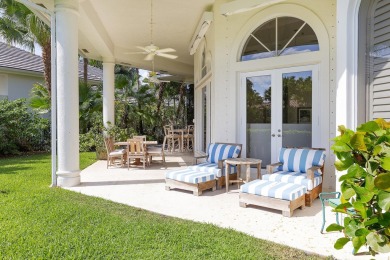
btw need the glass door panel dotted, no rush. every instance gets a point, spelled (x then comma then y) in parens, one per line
(258, 118)
(297, 109)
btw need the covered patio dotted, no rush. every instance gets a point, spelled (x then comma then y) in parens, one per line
(145, 189)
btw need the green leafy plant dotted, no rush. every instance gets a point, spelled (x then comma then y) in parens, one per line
(365, 187)
(22, 130)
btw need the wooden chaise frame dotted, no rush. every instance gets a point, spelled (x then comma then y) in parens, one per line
(287, 207)
(311, 195)
(197, 188)
(221, 181)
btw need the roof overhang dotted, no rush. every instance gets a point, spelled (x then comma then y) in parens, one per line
(110, 31)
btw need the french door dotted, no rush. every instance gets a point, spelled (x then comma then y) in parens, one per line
(278, 110)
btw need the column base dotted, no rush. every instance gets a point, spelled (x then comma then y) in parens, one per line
(68, 178)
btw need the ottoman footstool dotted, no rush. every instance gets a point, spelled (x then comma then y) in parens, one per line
(192, 180)
(276, 195)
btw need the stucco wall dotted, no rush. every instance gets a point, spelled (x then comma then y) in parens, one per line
(224, 41)
(19, 86)
(3, 85)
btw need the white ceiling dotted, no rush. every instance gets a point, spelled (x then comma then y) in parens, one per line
(109, 28)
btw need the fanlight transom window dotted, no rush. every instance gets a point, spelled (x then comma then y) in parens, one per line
(278, 37)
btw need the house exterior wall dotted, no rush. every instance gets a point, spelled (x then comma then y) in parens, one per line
(3, 86)
(225, 39)
(16, 86)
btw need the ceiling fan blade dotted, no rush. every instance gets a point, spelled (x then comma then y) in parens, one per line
(165, 55)
(143, 48)
(166, 50)
(150, 56)
(137, 52)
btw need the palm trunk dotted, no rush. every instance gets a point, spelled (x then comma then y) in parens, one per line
(85, 71)
(46, 58)
(160, 100)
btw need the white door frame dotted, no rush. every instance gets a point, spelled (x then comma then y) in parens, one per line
(276, 80)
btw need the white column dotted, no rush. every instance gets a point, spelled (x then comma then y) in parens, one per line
(108, 92)
(347, 40)
(347, 44)
(67, 93)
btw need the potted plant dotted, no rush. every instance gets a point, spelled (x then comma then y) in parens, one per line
(364, 156)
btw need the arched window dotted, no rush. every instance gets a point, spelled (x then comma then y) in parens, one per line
(278, 37)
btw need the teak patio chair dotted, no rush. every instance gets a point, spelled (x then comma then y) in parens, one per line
(188, 137)
(136, 150)
(113, 153)
(171, 139)
(156, 151)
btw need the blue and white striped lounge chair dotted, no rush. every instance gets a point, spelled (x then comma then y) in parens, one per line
(207, 175)
(188, 179)
(304, 166)
(271, 194)
(216, 154)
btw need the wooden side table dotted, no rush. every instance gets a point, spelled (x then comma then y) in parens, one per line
(238, 162)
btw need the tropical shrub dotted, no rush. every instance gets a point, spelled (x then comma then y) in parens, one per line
(22, 130)
(365, 187)
(93, 140)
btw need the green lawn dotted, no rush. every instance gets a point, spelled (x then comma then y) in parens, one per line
(38, 222)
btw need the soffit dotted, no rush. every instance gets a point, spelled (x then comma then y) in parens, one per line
(109, 29)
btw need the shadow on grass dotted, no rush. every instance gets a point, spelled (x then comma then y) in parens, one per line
(128, 182)
(13, 170)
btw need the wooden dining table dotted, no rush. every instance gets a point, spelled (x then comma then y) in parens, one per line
(125, 143)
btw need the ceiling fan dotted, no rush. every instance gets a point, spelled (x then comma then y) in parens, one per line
(152, 50)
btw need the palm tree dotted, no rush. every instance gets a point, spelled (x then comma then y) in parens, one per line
(90, 104)
(18, 25)
(40, 98)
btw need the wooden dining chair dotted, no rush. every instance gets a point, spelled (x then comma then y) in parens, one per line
(136, 151)
(188, 137)
(156, 151)
(113, 153)
(171, 139)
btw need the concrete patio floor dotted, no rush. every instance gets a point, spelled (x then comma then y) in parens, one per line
(146, 189)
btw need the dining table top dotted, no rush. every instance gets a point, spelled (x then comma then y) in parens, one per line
(126, 143)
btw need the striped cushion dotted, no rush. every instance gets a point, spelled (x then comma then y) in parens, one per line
(294, 177)
(190, 176)
(272, 189)
(218, 152)
(299, 160)
(213, 168)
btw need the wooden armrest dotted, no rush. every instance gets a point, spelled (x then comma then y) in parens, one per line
(310, 172)
(199, 155)
(270, 167)
(220, 163)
